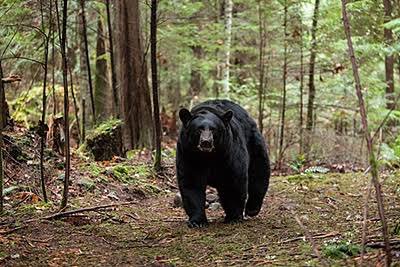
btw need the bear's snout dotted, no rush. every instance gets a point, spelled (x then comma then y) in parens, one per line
(206, 142)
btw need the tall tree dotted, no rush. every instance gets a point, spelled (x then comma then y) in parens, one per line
(67, 155)
(311, 73)
(389, 58)
(301, 88)
(87, 58)
(154, 79)
(112, 62)
(284, 79)
(132, 77)
(196, 81)
(1, 140)
(101, 79)
(227, 48)
(261, 62)
(364, 122)
(42, 122)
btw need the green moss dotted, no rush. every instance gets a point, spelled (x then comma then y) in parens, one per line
(304, 177)
(104, 128)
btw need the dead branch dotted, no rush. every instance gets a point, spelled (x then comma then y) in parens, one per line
(71, 212)
(381, 244)
(318, 236)
(11, 79)
(310, 239)
(368, 138)
(364, 225)
(11, 230)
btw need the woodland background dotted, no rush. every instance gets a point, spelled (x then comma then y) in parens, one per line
(120, 71)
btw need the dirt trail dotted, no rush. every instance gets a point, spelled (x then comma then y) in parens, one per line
(153, 233)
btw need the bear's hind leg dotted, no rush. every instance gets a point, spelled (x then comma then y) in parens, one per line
(259, 173)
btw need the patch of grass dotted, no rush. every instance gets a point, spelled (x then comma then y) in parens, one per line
(129, 173)
(169, 153)
(137, 175)
(95, 170)
(341, 249)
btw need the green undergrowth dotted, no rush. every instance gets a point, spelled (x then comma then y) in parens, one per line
(340, 249)
(104, 127)
(140, 175)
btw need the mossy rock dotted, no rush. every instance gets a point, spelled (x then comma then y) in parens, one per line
(105, 141)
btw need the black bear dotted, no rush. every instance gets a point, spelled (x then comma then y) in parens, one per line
(220, 145)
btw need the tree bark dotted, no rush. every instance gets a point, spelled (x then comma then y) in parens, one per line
(1, 140)
(311, 85)
(364, 121)
(389, 59)
(42, 123)
(196, 81)
(283, 110)
(87, 59)
(301, 89)
(261, 67)
(154, 79)
(64, 200)
(228, 40)
(112, 62)
(76, 109)
(132, 77)
(101, 95)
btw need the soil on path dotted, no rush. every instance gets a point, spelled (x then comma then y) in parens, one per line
(153, 232)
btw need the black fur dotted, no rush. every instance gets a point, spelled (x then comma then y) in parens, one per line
(238, 167)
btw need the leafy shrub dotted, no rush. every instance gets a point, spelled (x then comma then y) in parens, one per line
(341, 249)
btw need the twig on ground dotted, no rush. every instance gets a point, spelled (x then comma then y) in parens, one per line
(11, 230)
(67, 213)
(364, 225)
(318, 236)
(310, 239)
(381, 244)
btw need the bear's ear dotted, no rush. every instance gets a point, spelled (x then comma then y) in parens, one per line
(226, 118)
(185, 116)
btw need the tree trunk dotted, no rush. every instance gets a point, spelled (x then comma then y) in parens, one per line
(112, 62)
(154, 79)
(132, 77)
(261, 67)
(311, 85)
(364, 121)
(1, 141)
(53, 68)
(85, 53)
(196, 82)
(64, 200)
(389, 59)
(301, 88)
(42, 122)
(83, 79)
(283, 111)
(101, 93)
(228, 39)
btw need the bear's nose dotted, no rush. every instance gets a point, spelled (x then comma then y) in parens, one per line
(206, 144)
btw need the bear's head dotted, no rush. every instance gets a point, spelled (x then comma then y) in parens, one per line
(206, 130)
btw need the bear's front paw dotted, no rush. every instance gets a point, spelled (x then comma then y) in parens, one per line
(197, 224)
(236, 219)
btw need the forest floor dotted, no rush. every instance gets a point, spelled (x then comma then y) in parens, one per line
(150, 231)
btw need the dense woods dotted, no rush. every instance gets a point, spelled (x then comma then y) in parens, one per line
(90, 95)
